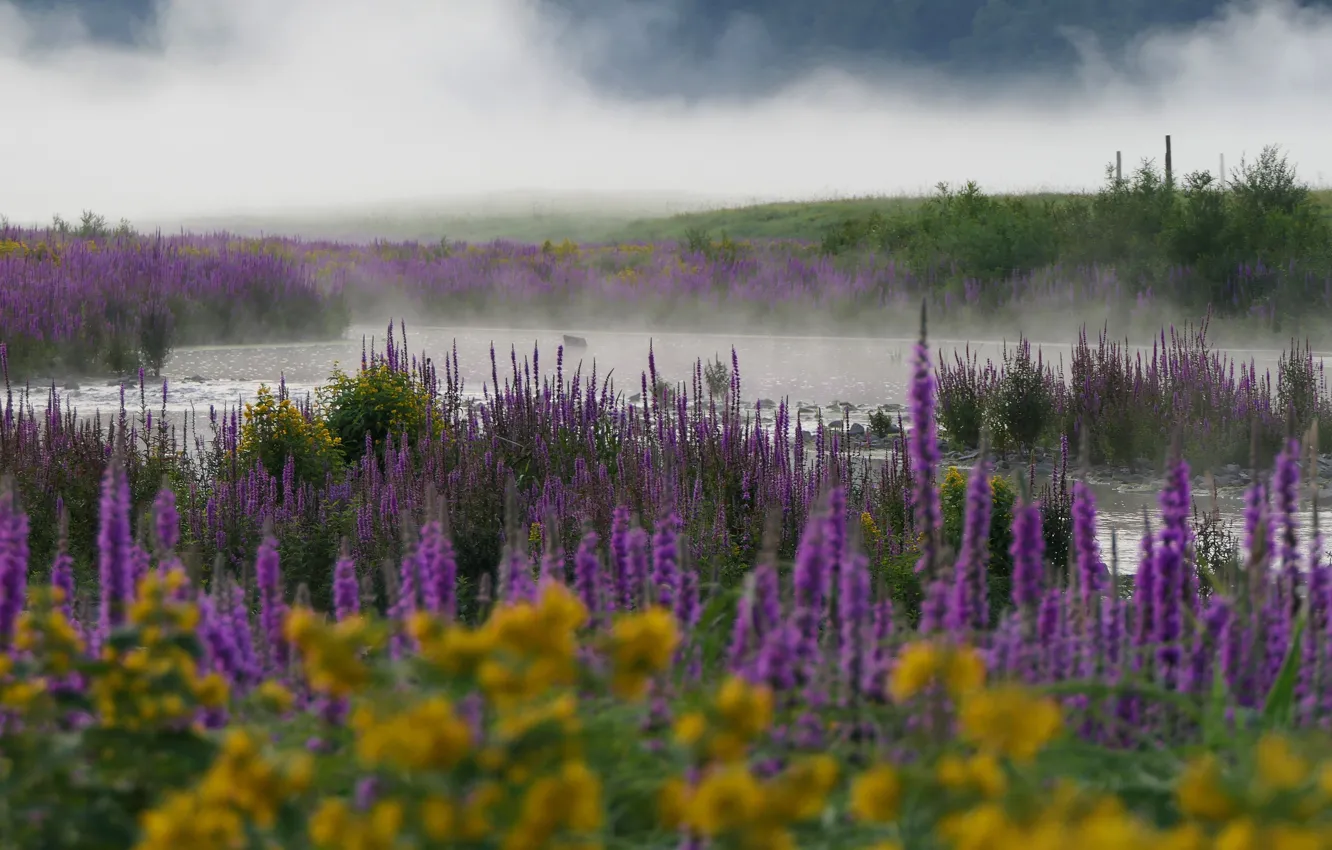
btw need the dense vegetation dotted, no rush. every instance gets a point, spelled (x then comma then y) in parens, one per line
(1256, 240)
(619, 687)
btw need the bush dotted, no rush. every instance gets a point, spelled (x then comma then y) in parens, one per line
(1022, 406)
(963, 391)
(275, 429)
(377, 401)
(157, 336)
(1235, 236)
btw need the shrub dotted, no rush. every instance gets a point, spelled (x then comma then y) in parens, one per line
(882, 424)
(963, 390)
(1023, 404)
(157, 333)
(376, 402)
(274, 429)
(717, 378)
(953, 498)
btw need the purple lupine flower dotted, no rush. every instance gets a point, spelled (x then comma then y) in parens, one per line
(272, 605)
(621, 572)
(587, 573)
(1091, 573)
(1286, 493)
(249, 672)
(1028, 550)
(853, 610)
(62, 578)
(923, 445)
(970, 609)
(13, 562)
(1170, 564)
(166, 520)
(742, 632)
(665, 560)
(428, 566)
(777, 660)
(811, 584)
(346, 587)
(874, 674)
(113, 546)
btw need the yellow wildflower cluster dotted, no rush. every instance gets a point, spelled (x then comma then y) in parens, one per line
(40, 252)
(155, 680)
(641, 646)
(274, 429)
(519, 653)
(241, 787)
(426, 736)
(732, 805)
(336, 825)
(333, 655)
(923, 664)
(44, 631)
(740, 713)
(869, 529)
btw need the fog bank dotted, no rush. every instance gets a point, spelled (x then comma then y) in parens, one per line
(301, 107)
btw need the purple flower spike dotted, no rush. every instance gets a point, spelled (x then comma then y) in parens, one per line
(1091, 573)
(346, 588)
(13, 562)
(923, 446)
(114, 545)
(587, 572)
(1028, 550)
(970, 608)
(166, 520)
(272, 606)
(666, 560)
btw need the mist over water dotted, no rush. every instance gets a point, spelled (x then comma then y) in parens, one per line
(303, 107)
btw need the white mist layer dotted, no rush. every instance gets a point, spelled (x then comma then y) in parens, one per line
(297, 106)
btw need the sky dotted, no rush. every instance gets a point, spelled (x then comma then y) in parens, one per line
(319, 106)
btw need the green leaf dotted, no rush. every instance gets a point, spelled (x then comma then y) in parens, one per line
(1279, 708)
(1214, 713)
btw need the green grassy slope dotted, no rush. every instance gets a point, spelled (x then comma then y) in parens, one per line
(802, 220)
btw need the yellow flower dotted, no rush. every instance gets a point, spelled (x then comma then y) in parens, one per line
(641, 646)
(276, 695)
(689, 728)
(801, 791)
(964, 671)
(915, 670)
(1008, 721)
(745, 709)
(876, 794)
(672, 804)
(726, 800)
(1279, 768)
(1199, 791)
(437, 817)
(980, 773)
(985, 826)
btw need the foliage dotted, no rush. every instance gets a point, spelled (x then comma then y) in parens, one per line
(276, 431)
(882, 424)
(953, 498)
(1232, 234)
(376, 403)
(964, 391)
(1021, 409)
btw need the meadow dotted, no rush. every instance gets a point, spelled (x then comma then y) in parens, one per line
(765, 649)
(573, 611)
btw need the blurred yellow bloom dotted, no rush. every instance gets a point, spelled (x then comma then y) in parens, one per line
(1009, 721)
(1199, 792)
(876, 794)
